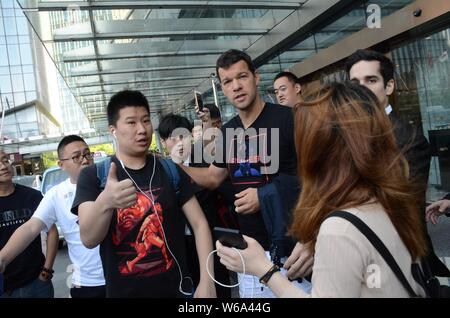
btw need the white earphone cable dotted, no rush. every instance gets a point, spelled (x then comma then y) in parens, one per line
(221, 284)
(180, 288)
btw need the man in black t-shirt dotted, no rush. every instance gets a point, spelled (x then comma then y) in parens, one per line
(29, 274)
(376, 72)
(136, 216)
(256, 150)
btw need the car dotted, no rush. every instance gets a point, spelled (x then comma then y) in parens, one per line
(33, 181)
(52, 176)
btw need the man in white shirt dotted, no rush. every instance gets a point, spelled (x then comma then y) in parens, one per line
(87, 279)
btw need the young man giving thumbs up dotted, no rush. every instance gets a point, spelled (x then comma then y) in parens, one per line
(138, 217)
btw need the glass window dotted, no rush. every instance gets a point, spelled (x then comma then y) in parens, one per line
(30, 84)
(27, 68)
(22, 26)
(3, 56)
(13, 54)
(28, 114)
(2, 30)
(4, 70)
(12, 39)
(25, 54)
(24, 39)
(31, 96)
(19, 98)
(17, 83)
(350, 23)
(8, 13)
(423, 98)
(9, 97)
(5, 84)
(8, 3)
(16, 70)
(388, 7)
(10, 26)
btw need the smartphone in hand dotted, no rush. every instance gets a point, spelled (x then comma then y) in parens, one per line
(198, 100)
(230, 238)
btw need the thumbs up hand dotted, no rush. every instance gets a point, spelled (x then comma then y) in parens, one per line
(121, 194)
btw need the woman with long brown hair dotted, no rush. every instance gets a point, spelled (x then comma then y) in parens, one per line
(348, 161)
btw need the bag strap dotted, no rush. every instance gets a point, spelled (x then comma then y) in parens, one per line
(172, 171)
(379, 246)
(103, 171)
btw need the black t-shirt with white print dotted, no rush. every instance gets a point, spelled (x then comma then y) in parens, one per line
(249, 166)
(137, 252)
(16, 209)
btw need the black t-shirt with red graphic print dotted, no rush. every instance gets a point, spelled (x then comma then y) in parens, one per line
(137, 252)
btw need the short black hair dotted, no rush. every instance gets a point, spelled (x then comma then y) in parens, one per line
(67, 140)
(126, 98)
(290, 76)
(213, 111)
(386, 65)
(171, 122)
(231, 57)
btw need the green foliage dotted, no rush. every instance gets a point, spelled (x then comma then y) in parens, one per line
(50, 159)
(107, 148)
(153, 145)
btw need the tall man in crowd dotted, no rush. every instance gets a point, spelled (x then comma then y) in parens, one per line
(258, 153)
(376, 72)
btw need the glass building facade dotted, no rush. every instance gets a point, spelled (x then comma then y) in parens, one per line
(168, 50)
(17, 73)
(34, 95)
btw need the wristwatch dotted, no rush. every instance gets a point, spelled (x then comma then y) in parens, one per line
(266, 277)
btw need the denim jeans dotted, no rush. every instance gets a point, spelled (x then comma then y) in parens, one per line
(35, 289)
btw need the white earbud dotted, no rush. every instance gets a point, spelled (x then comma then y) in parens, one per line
(114, 134)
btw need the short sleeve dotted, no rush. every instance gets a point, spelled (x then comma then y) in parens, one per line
(46, 211)
(186, 192)
(220, 149)
(88, 188)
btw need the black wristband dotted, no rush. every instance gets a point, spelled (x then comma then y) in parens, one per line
(45, 269)
(266, 277)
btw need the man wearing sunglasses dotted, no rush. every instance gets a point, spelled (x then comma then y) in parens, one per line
(87, 279)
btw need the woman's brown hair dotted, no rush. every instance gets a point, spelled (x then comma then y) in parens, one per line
(347, 157)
